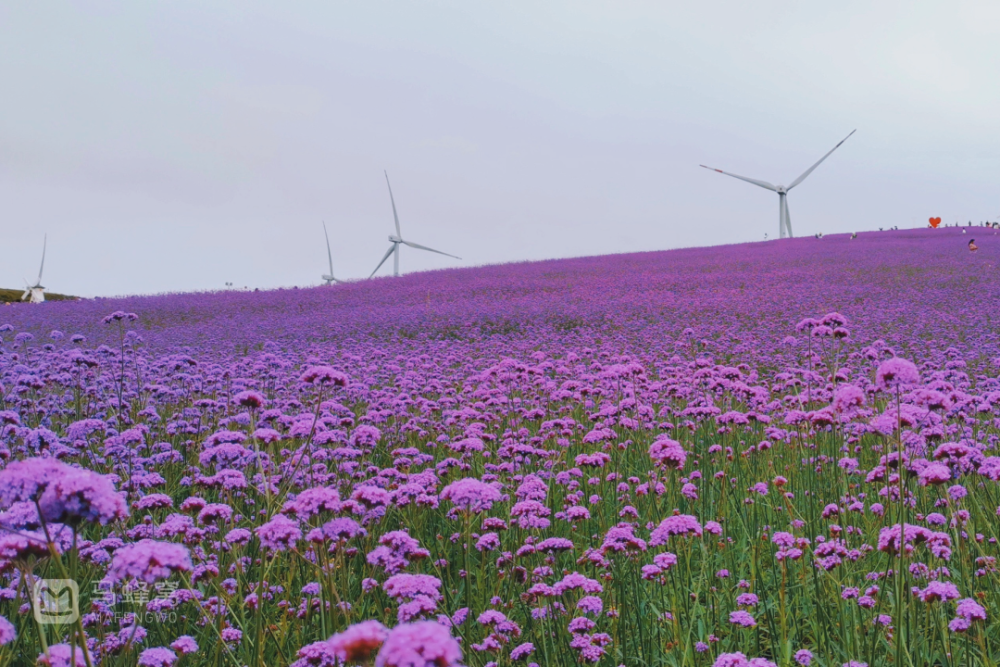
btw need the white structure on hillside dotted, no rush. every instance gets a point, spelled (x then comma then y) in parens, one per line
(329, 278)
(784, 221)
(36, 293)
(397, 240)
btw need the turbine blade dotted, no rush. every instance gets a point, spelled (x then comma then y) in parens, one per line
(45, 242)
(328, 255)
(394, 214)
(763, 184)
(384, 257)
(810, 169)
(423, 247)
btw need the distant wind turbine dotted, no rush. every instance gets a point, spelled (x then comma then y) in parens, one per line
(36, 293)
(397, 240)
(329, 279)
(784, 221)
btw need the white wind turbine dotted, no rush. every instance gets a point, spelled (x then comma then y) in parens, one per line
(36, 293)
(784, 221)
(397, 240)
(329, 279)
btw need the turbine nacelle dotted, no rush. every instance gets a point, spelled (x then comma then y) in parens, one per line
(395, 239)
(780, 189)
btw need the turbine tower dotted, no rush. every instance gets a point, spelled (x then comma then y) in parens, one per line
(784, 221)
(397, 240)
(36, 293)
(329, 279)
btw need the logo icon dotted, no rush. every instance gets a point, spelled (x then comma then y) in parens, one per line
(56, 601)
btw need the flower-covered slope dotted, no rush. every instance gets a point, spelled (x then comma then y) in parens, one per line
(771, 453)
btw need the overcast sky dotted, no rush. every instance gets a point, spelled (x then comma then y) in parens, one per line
(179, 146)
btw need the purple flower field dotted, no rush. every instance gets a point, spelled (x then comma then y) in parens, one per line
(781, 453)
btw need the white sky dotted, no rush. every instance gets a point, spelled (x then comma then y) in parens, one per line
(178, 146)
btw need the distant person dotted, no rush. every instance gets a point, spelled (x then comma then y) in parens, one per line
(972, 245)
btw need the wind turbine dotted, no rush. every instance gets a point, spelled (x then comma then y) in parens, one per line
(397, 240)
(330, 279)
(784, 221)
(36, 293)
